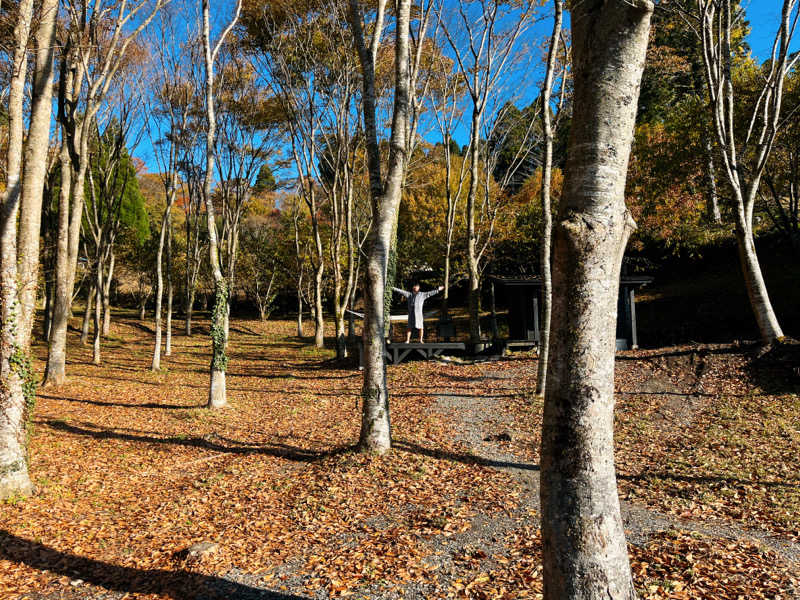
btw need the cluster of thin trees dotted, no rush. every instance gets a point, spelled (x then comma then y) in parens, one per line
(340, 96)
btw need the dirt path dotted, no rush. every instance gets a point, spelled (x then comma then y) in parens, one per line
(479, 433)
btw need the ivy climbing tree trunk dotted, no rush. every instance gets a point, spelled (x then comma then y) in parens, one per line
(15, 370)
(585, 555)
(217, 397)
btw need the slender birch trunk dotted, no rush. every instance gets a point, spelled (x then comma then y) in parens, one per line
(98, 311)
(87, 313)
(714, 214)
(217, 397)
(585, 555)
(300, 306)
(717, 19)
(155, 365)
(37, 146)
(472, 250)
(170, 292)
(547, 217)
(107, 292)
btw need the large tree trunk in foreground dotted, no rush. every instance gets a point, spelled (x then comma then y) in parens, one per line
(585, 555)
(14, 360)
(547, 217)
(375, 433)
(37, 146)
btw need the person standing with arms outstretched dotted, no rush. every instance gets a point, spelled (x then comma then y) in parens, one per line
(416, 299)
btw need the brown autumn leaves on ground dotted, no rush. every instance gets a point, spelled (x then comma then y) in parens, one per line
(131, 470)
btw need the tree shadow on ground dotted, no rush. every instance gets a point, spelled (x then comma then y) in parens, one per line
(645, 478)
(122, 404)
(178, 584)
(225, 445)
(467, 459)
(777, 371)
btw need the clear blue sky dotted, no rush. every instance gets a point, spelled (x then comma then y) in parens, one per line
(763, 15)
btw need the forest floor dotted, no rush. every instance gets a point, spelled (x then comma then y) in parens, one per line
(131, 470)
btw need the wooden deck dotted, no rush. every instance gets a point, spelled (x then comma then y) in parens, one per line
(395, 353)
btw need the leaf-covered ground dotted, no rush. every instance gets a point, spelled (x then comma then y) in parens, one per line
(131, 470)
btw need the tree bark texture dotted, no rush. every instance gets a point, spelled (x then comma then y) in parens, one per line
(585, 554)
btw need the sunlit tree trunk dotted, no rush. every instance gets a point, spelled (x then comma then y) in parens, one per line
(375, 433)
(717, 19)
(98, 310)
(55, 371)
(547, 218)
(472, 249)
(584, 552)
(155, 365)
(107, 292)
(217, 397)
(170, 292)
(14, 478)
(37, 146)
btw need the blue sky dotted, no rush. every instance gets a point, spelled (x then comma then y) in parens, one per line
(762, 14)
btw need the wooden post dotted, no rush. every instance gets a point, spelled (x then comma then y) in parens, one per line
(495, 332)
(632, 312)
(351, 327)
(536, 332)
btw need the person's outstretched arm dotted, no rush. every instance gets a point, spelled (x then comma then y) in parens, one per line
(434, 292)
(401, 292)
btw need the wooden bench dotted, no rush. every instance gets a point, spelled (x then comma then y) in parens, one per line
(395, 353)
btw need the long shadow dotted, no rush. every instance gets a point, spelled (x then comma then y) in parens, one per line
(178, 584)
(645, 477)
(140, 325)
(467, 459)
(123, 404)
(689, 351)
(286, 451)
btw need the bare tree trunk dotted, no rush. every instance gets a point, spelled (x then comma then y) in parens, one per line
(375, 433)
(547, 217)
(107, 293)
(98, 311)
(585, 556)
(170, 291)
(57, 343)
(14, 478)
(757, 292)
(472, 250)
(319, 317)
(37, 146)
(48, 311)
(711, 181)
(87, 314)
(300, 306)
(155, 365)
(217, 397)
(717, 20)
